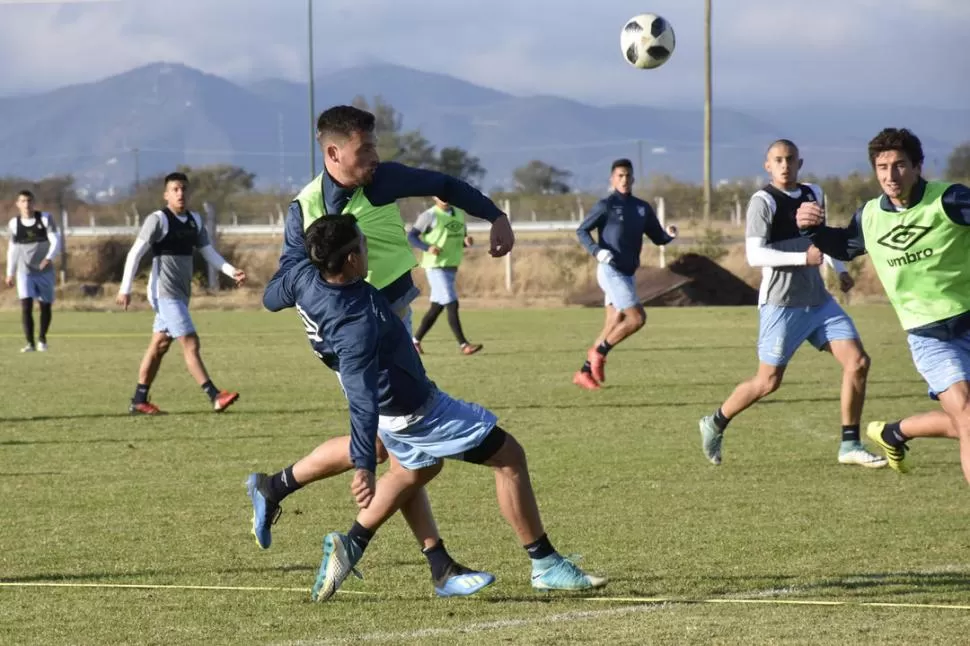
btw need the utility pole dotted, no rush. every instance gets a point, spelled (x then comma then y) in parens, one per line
(707, 111)
(313, 115)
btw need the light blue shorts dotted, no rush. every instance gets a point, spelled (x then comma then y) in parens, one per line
(619, 289)
(442, 283)
(38, 285)
(784, 329)
(447, 428)
(172, 317)
(402, 307)
(941, 363)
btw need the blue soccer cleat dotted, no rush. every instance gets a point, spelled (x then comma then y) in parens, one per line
(340, 555)
(460, 581)
(265, 511)
(559, 573)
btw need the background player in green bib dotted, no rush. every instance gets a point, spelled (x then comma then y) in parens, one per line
(918, 236)
(441, 233)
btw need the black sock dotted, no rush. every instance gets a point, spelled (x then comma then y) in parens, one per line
(604, 348)
(893, 435)
(210, 389)
(721, 421)
(141, 394)
(27, 318)
(360, 535)
(587, 368)
(45, 321)
(850, 433)
(439, 560)
(455, 323)
(540, 549)
(434, 310)
(282, 484)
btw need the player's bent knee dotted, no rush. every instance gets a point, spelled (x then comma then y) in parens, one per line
(496, 441)
(768, 384)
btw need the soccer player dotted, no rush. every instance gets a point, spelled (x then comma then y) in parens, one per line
(794, 307)
(620, 221)
(440, 233)
(917, 234)
(34, 243)
(355, 181)
(173, 234)
(354, 331)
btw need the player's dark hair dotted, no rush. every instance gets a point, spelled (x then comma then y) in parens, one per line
(176, 177)
(343, 121)
(25, 193)
(898, 139)
(622, 163)
(328, 241)
(788, 143)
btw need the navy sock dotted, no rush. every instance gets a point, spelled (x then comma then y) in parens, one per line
(141, 394)
(360, 536)
(604, 348)
(587, 368)
(210, 389)
(282, 484)
(439, 560)
(893, 435)
(540, 549)
(850, 433)
(720, 420)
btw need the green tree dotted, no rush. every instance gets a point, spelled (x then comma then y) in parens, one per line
(458, 163)
(958, 163)
(218, 185)
(541, 178)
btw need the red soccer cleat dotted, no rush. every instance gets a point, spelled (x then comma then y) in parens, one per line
(144, 408)
(597, 363)
(224, 401)
(585, 380)
(470, 348)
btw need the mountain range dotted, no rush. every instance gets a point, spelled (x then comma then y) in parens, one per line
(142, 122)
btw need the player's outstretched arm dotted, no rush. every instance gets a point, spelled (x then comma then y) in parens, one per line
(844, 243)
(655, 232)
(393, 181)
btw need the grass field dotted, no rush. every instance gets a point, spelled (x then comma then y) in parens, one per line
(92, 497)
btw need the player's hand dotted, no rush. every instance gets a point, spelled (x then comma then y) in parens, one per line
(9, 281)
(44, 264)
(809, 214)
(604, 256)
(501, 238)
(124, 300)
(469, 241)
(845, 281)
(672, 230)
(433, 250)
(814, 256)
(363, 487)
(239, 276)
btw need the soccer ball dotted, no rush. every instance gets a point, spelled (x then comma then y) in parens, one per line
(647, 41)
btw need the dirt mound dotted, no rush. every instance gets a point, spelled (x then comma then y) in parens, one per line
(690, 280)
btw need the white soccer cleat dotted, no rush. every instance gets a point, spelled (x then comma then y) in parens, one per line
(863, 457)
(41, 347)
(27, 348)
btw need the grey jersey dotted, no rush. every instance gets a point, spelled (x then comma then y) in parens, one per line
(31, 240)
(771, 219)
(172, 247)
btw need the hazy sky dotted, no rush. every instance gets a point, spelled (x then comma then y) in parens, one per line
(779, 51)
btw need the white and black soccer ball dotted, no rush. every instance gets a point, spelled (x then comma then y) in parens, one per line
(647, 41)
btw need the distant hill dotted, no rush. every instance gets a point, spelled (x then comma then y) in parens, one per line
(175, 114)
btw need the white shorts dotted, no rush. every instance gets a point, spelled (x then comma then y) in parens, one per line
(619, 289)
(172, 317)
(442, 283)
(37, 285)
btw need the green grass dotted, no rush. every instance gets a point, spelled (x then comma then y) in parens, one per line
(92, 496)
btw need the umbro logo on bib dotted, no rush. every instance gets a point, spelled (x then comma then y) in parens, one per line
(903, 236)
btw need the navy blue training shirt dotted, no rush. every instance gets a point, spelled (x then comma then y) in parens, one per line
(353, 330)
(391, 182)
(846, 243)
(621, 221)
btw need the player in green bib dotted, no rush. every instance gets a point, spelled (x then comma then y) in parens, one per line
(441, 234)
(918, 236)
